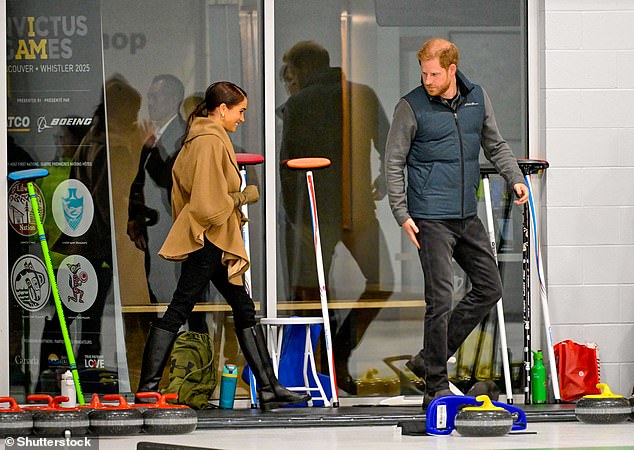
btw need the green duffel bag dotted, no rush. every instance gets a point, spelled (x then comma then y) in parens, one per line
(192, 374)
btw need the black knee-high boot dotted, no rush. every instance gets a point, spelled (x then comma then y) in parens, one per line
(272, 394)
(157, 349)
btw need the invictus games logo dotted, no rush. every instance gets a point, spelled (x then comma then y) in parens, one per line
(29, 283)
(21, 214)
(77, 283)
(73, 208)
(43, 37)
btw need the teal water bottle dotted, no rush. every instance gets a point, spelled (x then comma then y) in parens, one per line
(538, 378)
(228, 383)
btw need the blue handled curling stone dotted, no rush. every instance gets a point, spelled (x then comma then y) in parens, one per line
(605, 407)
(164, 418)
(54, 420)
(14, 421)
(472, 416)
(115, 420)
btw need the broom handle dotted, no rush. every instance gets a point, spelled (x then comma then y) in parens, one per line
(58, 301)
(247, 277)
(543, 295)
(500, 306)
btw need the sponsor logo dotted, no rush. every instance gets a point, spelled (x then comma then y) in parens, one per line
(77, 283)
(29, 283)
(73, 208)
(94, 362)
(20, 360)
(42, 122)
(18, 123)
(471, 104)
(21, 215)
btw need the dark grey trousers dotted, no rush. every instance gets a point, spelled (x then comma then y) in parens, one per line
(468, 243)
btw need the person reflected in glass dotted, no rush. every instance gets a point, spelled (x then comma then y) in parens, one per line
(149, 209)
(206, 237)
(90, 166)
(328, 116)
(433, 174)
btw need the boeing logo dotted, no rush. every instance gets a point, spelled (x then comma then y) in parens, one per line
(61, 121)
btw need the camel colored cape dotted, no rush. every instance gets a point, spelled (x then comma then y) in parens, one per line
(204, 173)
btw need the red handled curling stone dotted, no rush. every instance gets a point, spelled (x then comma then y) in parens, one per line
(57, 421)
(14, 421)
(115, 420)
(94, 404)
(604, 408)
(47, 399)
(147, 400)
(164, 418)
(487, 420)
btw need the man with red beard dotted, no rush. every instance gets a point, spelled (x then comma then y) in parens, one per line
(436, 133)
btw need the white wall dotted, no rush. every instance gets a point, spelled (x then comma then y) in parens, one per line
(589, 80)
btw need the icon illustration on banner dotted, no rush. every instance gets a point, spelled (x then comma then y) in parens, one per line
(29, 283)
(77, 282)
(73, 208)
(21, 215)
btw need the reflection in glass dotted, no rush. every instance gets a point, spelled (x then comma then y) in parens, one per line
(340, 65)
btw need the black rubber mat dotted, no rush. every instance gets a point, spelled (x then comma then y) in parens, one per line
(351, 416)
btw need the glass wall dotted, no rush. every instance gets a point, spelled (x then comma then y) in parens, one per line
(342, 66)
(100, 92)
(169, 52)
(138, 69)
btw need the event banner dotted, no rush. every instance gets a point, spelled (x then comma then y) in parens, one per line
(56, 120)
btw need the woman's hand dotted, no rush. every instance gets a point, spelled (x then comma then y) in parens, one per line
(250, 194)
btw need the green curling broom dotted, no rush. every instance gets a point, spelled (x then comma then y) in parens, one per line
(29, 176)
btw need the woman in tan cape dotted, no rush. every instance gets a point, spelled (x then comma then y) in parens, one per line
(206, 237)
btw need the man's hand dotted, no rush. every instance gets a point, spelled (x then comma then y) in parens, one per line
(148, 133)
(379, 190)
(412, 230)
(136, 235)
(521, 190)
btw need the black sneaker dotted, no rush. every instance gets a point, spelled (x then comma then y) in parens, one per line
(416, 365)
(427, 399)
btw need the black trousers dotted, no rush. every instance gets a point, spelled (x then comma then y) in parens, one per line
(468, 243)
(198, 269)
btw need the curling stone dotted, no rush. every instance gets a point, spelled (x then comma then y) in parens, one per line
(14, 421)
(94, 404)
(115, 420)
(483, 421)
(603, 408)
(164, 418)
(55, 420)
(444, 414)
(45, 398)
(147, 400)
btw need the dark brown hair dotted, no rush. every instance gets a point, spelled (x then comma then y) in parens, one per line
(216, 94)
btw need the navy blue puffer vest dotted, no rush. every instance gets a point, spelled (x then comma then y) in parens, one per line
(443, 171)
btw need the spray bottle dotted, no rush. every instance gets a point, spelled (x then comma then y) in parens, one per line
(538, 378)
(68, 390)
